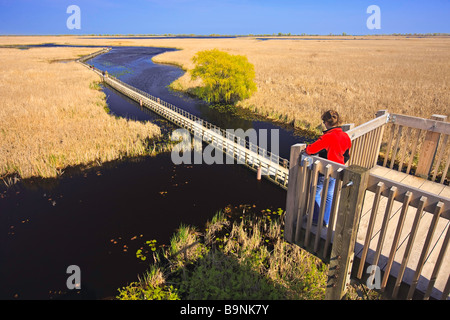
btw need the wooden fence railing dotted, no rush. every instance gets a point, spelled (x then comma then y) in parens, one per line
(407, 144)
(405, 228)
(366, 141)
(420, 143)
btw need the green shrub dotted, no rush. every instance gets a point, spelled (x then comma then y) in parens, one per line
(240, 255)
(220, 277)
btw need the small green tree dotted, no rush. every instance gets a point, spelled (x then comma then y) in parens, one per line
(226, 78)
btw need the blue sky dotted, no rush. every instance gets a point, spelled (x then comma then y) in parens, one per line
(223, 16)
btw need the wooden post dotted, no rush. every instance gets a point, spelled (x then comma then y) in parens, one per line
(354, 186)
(292, 198)
(347, 126)
(379, 137)
(428, 150)
(258, 173)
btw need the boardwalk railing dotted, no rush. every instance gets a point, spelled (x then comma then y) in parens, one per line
(267, 164)
(397, 236)
(407, 144)
(420, 143)
(366, 141)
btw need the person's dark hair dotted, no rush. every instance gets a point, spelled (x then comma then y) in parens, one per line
(331, 117)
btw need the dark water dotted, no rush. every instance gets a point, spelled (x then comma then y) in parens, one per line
(98, 218)
(43, 230)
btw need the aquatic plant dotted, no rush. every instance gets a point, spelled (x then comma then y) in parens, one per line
(241, 254)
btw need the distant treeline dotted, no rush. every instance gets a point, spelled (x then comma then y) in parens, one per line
(279, 34)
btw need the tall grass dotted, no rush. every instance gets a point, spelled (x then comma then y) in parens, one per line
(297, 80)
(53, 116)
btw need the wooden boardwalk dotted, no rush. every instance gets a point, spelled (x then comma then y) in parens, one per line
(439, 190)
(404, 223)
(267, 164)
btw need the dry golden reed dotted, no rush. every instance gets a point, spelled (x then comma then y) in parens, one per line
(52, 116)
(298, 79)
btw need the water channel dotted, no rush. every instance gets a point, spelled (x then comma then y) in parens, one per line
(97, 218)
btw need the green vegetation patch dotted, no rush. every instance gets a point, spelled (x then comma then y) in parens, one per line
(240, 254)
(226, 78)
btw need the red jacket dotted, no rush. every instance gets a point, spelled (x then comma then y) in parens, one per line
(333, 145)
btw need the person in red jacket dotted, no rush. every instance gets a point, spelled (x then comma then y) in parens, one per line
(333, 145)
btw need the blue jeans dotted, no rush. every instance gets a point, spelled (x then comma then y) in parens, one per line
(326, 216)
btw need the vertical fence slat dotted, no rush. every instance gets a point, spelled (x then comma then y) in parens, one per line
(443, 145)
(414, 149)
(398, 232)
(444, 173)
(373, 215)
(412, 237)
(446, 290)
(334, 207)
(383, 230)
(397, 143)
(353, 152)
(323, 203)
(405, 147)
(312, 196)
(349, 213)
(388, 148)
(438, 265)
(291, 197)
(423, 255)
(372, 151)
(363, 150)
(303, 198)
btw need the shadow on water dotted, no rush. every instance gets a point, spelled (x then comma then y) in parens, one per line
(98, 218)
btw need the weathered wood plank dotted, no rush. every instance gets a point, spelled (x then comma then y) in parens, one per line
(433, 199)
(367, 127)
(441, 260)
(292, 192)
(369, 229)
(426, 247)
(334, 208)
(429, 149)
(436, 124)
(408, 249)
(396, 239)
(349, 212)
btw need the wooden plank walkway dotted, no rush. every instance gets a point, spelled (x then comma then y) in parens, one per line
(437, 240)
